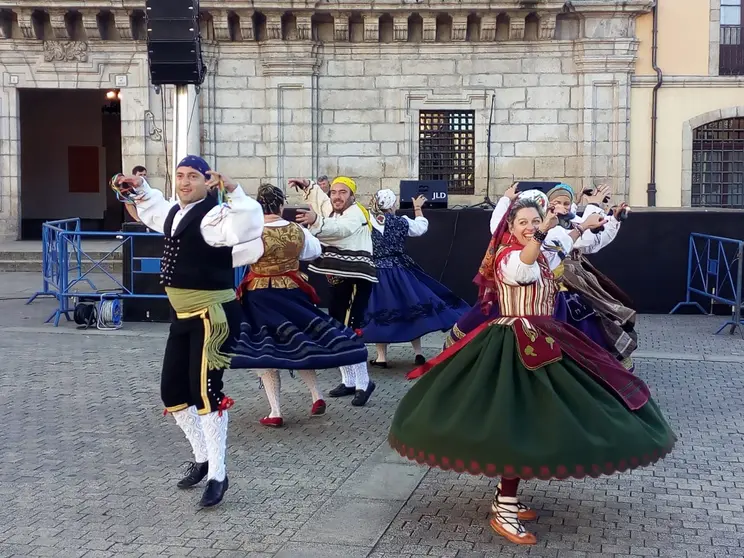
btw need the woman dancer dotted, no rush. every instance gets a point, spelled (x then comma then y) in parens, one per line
(283, 327)
(525, 396)
(407, 303)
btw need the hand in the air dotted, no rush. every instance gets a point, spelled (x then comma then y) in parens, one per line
(550, 221)
(594, 221)
(418, 202)
(511, 192)
(306, 217)
(214, 179)
(299, 183)
(597, 198)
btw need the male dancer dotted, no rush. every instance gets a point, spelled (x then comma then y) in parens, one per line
(344, 228)
(206, 315)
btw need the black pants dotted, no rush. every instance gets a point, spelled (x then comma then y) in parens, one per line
(348, 301)
(186, 380)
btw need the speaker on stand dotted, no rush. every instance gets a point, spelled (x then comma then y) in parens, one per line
(174, 42)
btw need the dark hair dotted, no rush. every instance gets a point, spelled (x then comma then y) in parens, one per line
(271, 199)
(138, 168)
(520, 204)
(322, 178)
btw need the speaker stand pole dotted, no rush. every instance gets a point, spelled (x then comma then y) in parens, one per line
(180, 131)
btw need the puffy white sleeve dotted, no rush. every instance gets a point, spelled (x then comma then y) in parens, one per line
(152, 207)
(316, 198)
(239, 219)
(498, 213)
(591, 243)
(557, 240)
(515, 272)
(417, 226)
(312, 248)
(247, 253)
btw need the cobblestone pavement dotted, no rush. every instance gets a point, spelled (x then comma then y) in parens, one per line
(88, 463)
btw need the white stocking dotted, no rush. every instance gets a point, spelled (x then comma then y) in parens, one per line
(381, 352)
(416, 344)
(188, 420)
(214, 426)
(348, 377)
(272, 383)
(358, 374)
(311, 381)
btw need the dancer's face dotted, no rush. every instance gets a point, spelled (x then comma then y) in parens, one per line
(191, 185)
(341, 197)
(562, 204)
(525, 223)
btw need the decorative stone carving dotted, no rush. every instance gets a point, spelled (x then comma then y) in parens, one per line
(400, 27)
(547, 25)
(90, 23)
(122, 20)
(274, 26)
(304, 27)
(25, 22)
(430, 28)
(371, 28)
(245, 20)
(459, 27)
(516, 27)
(65, 51)
(59, 26)
(488, 27)
(221, 25)
(341, 26)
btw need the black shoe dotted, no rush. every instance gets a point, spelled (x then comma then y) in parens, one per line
(419, 360)
(194, 474)
(379, 363)
(213, 493)
(361, 397)
(341, 391)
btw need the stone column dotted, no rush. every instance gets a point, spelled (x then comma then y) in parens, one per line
(400, 27)
(371, 28)
(221, 25)
(547, 26)
(10, 163)
(274, 26)
(341, 26)
(304, 27)
(25, 22)
(122, 20)
(430, 27)
(57, 20)
(247, 33)
(90, 23)
(488, 27)
(459, 27)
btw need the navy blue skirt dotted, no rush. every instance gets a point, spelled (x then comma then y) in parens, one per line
(283, 329)
(407, 304)
(571, 308)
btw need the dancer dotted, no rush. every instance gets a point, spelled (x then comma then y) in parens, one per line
(406, 303)
(198, 278)
(343, 227)
(525, 396)
(558, 244)
(283, 327)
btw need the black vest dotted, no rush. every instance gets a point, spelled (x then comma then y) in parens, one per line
(189, 262)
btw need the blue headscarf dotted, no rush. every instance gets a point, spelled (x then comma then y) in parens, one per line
(561, 189)
(196, 163)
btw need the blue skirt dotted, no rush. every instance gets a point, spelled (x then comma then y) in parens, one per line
(571, 308)
(407, 304)
(283, 329)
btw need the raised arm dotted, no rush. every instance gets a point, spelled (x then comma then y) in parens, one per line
(515, 272)
(341, 226)
(417, 226)
(498, 212)
(152, 207)
(311, 249)
(237, 220)
(316, 198)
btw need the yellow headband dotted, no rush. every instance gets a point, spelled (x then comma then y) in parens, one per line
(346, 181)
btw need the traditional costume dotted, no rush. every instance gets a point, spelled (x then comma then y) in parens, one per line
(525, 396)
(283, 327)
(347, 263)
(406, 303)
(197, 273)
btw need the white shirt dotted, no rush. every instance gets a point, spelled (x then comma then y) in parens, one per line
(416, 227)
(515, 272)
(250, 252)
(238, 220)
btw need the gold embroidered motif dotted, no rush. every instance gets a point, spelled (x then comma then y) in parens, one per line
(529, 350)
(282, 248)
(550, 341)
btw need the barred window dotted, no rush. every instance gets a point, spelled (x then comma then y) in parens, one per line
(447, 148)
(718, 164)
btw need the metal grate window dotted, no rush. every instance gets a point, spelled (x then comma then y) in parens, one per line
(447, 148)
(718, 164)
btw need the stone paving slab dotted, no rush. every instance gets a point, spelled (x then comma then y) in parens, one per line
(88, 463)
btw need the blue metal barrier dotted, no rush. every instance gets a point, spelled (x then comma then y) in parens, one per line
(62, 240)
(711, 264)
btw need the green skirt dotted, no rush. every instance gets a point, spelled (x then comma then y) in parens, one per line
(483, 412)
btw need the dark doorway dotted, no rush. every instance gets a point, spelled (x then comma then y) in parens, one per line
(70, 147)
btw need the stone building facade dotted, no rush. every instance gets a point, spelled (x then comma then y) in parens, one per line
(382, 91)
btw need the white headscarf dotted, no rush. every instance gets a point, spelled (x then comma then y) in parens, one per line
(385, 199)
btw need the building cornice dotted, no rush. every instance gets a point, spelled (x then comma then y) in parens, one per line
(696, 82)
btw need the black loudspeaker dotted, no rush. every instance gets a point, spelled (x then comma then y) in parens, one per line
(174, 42)
(435, 192)
(143, 309)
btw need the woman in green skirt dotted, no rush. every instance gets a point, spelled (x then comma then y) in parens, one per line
(524, 396)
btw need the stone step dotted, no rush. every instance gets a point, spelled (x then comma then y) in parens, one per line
(30, 265)
(36, 256)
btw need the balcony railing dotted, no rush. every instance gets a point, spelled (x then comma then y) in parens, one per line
(731, 58)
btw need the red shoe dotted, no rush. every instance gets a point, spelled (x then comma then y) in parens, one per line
(319, 408)
(273, 422)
